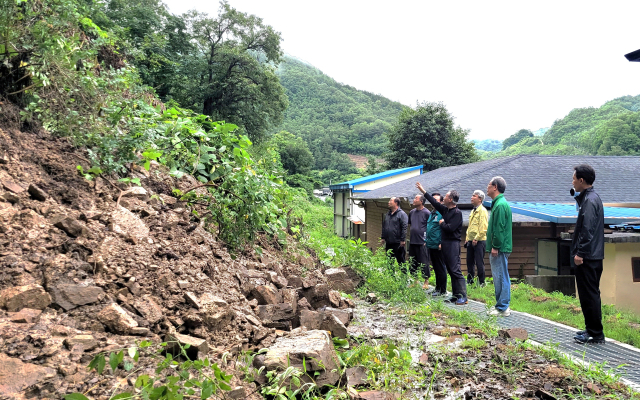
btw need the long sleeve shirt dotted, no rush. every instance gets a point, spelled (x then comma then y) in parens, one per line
(394, 226)
(478, 223)
(499, 230)
(452, 225)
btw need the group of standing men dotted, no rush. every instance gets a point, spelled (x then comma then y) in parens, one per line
(435, 239)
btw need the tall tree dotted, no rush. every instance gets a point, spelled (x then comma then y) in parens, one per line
(295, 156)
(427, 135)
(230, 75)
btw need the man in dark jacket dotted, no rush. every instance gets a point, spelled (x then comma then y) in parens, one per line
(433, 240)
(394, 230)
(587, 250)
(451, 226)
(418, 254)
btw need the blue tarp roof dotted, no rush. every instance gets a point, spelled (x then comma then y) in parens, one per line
(350, 184)
(567, 213)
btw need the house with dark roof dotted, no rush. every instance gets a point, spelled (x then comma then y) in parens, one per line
(348, 215)
(538, 190)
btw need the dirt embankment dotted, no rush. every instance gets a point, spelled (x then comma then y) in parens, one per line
(80, 274)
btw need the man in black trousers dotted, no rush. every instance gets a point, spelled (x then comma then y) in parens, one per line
(451, 225)
(394, 230)
(587, 249)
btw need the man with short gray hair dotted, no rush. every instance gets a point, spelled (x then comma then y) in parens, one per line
(476, 237)
(394, 230)
(499, 243)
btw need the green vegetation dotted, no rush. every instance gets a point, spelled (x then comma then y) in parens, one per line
(488, 145)
(610, 130)
(619, 325)
(332, 117)
(427, 136)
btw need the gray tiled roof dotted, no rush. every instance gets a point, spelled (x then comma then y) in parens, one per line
(530, 177)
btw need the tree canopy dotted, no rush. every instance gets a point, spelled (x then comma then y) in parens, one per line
(427, 136)
(516, 137)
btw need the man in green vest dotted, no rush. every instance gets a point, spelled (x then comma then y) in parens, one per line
(499, 243)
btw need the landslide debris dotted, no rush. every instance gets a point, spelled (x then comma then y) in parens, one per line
(87, 268)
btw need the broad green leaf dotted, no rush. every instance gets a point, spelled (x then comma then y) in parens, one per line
(120, 396)
(75, 396)
(113, 361)
(142, 381)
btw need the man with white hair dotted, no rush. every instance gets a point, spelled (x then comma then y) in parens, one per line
(476, 238)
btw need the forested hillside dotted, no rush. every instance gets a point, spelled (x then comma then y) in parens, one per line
(331, 116)
(612, 129)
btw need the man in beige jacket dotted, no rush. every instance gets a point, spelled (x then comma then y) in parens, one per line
(476, 238)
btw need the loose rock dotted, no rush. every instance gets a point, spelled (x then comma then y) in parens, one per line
(117, 319)
(29, 296)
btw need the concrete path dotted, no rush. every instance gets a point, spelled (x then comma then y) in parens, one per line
(543, 331)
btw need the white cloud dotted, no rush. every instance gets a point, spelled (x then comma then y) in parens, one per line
(499, 66)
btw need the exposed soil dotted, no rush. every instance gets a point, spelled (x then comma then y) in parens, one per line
(71, 251)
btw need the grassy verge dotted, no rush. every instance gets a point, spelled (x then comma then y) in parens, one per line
(620, 325)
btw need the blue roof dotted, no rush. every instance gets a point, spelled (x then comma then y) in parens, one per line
(350, 184)
(567, 213)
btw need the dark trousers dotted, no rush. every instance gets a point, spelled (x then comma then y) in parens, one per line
(588, 282)
(437, 261)
(419, 260)
(397, 251)
(475, 258)
(451, 255)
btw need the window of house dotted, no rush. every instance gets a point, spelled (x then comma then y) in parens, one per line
(635, 266)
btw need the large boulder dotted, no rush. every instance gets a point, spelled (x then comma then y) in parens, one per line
(116, 319)
(314, 347)
(15, 376)
(318, 295)
(30, 296)
(276, 315)
(337, 279)
(267, 294)
(71, 296)
(326, 321)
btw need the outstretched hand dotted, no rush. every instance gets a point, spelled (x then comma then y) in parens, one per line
(420, 188)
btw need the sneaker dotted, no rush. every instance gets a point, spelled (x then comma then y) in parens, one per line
(581, 333)
(451, 299)
(461, 301)
(436, 293)
(497, 313)
(588, 339)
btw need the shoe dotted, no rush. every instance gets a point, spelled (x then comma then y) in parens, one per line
(451, 299)
(581, 333)
(430, 291)
(588, 339)
(469, 280)
(461, 301)
(497, 313)
(483, 284)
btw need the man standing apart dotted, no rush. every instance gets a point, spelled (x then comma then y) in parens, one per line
(451, 226)
(435, 250)
(394, 230)
(476, 237)
(419, 258)
(587, 249)
(499, 243)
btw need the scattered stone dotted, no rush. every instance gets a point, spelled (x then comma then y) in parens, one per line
(137, 192)
(593, 388)
(198, 347)
(69, 225)
(237, 393)
(356, 376)
(183, 284)
(424, 359)
(313, 320)
(337, 279)
(276, 315)
(279, 281)
(309, 282)
(128, 225)
(294, 281)
(216, 317)
(26, 316)
(290, 296)
(303, 304)
(140, 331)
(344, 315)
(544, 395)
(149, 309)
(208, 298)
(267, 294)
(318, 296)
(30, 296)
(10, 185)
(192, 299)
(376, 395)
(371, 298)
(514, 333)
(37, 193)
(70, 296)
(116, 319)
(334, 298)
(10, 197)
(87, 341)
(16, 376)
(315, 347)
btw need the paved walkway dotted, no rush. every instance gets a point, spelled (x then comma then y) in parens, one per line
(544, 331)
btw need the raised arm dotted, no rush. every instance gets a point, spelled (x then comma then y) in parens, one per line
(436, 205)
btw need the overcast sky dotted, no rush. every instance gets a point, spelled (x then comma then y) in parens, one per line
(498, 66)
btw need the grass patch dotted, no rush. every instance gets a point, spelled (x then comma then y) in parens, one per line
(623, 326)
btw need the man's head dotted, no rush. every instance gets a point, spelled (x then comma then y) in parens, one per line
(394, 203)
(451, 198)
(583, 177)
(497, 185)
(417, 201)
(477, 198)
(437, 196)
